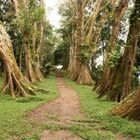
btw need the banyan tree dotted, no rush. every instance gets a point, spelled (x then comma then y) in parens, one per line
(119, 84)
(30, 17)
(82, 40)
(130, 106)
(18, 79)
(15, 83)
(118, 13)
(78, 70)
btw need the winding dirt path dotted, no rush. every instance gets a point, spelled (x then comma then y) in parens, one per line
(61, 111)
(66, 108)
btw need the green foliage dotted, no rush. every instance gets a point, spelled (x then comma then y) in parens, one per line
(135, 78)
(38, 14)
(50, 41)
(97, 73)
(114, 62)
(67, 27)
(105, 33)
(7, 12)
(28, 16)
(135, 16)
(61, 54)
(48, 68)
(85, 53)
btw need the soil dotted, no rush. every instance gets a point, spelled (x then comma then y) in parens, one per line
(59, 135)
(67, 105)
(61, 111)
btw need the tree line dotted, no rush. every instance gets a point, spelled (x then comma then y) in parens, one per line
(24, 36)
(107, 29)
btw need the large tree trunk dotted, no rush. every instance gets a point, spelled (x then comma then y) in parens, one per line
(71, 64)
(37, 67)
(75, 64)
(119, 85)
(32, 61)
(119, 13)
(83, 77)
(29, 70)
(72, 71)
(33, 50)
(15, 82)
(129, 107)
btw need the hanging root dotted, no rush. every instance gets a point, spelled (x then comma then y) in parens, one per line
(15, 83)
(18, 87)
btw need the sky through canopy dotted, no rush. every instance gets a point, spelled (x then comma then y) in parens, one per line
(52, 12)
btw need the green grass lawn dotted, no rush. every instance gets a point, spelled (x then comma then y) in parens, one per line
(98, 125)
(12, 112)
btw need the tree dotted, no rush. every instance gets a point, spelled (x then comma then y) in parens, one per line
(14, 28)
(105, 84)
(82, 38)
(130, 106)
(24, 23)
(31, 21)
(120, 85)
(15, 82)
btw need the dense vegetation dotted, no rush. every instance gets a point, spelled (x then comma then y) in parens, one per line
(98, 44)
(107, 30)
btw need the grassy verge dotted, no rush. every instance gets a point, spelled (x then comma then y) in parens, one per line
(98, 125)
(13, 124)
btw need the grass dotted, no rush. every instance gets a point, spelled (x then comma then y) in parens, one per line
(98, 124)
(13, 123)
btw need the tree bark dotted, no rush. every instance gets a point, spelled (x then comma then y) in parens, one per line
(129, 107)
(16, 6)
(119, 85)
(29, 70)
(119, 13)
(15, 82)
(32, 49)
(37, 67)
(75, 63)
(123, 82)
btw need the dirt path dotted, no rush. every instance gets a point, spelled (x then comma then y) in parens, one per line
(67, 105)
(65, 108)
(61, 111)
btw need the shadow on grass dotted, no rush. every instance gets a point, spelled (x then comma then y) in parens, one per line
(30, 99)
